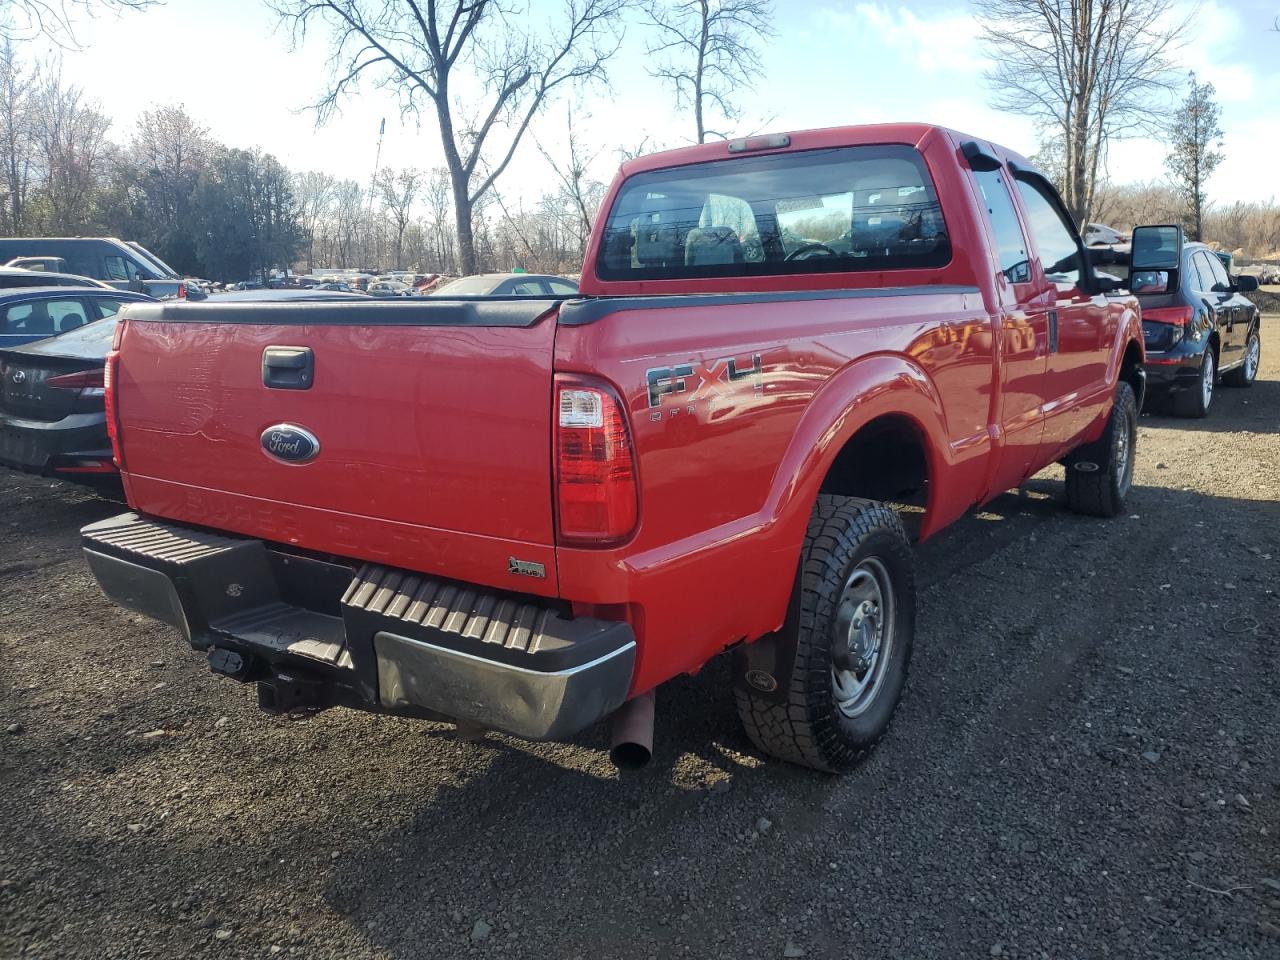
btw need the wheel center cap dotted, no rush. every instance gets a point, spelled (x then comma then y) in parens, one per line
(864, 634)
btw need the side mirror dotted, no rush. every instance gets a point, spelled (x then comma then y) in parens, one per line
(1156, 248)
(1244, 283)
(136, 285)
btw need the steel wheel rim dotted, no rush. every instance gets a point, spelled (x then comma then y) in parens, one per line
(862, 645)
(1124, 452)
(1251, 357)
(1206, 383)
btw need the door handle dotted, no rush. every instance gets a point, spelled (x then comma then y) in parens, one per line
(288, 368)
(1053, 331)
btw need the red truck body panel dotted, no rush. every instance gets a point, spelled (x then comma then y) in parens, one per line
(430, 461)
(438, 441)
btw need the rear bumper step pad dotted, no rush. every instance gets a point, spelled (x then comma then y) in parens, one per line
(380, 638)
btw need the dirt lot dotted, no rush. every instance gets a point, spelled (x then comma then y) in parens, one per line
(1087, 764)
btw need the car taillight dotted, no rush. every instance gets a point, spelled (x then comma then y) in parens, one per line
(182, 291)
(596, 492)
(1180, 316)
(88, 382)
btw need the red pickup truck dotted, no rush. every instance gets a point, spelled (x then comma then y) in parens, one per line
(526, 514)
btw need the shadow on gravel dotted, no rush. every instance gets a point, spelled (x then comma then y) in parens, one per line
(1255, 410)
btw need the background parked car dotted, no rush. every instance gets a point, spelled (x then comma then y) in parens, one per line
(12, 278)
(389, 288)
(508, 285)
(49, 264)
(1100, 235)
(35, 313)
(1201, 328)
(122, 264)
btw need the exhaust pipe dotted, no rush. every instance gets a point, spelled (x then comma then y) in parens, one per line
(632, 725)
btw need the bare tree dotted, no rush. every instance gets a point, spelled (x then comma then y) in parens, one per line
(315, 192)
(1195, 142)
(17, 135)
(170, 149)
(1088, 71)
(578, 191)
(707, 51)
(349, 215)
(439, 229)
(71, 137)
(431, 53)
(55, 19)
(398, 192)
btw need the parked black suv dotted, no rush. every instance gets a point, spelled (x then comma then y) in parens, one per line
(1197, 324)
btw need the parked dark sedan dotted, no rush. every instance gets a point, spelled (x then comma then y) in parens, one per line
(507, 285)
(1203, 329)
(28, 314)
(52, 413)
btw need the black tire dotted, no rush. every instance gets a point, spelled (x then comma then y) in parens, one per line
(848, 540)
(1194, 402)
(1099, 475)
(1244, 375)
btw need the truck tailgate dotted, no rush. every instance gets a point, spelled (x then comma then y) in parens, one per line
(433, 421)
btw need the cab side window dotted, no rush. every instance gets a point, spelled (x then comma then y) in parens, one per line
(108, 308)
(1059, 250)
(67, 315)
(1221, 283)
(1202, 273)
(118, 268)
(1010, 243)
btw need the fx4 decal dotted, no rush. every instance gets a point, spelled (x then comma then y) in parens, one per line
(689, 382)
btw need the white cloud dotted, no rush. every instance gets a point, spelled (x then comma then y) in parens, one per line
(934, 43)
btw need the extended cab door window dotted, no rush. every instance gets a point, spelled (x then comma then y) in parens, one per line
(1011, 245)
(1058, 247)
(1024, 335)
(1081, 326)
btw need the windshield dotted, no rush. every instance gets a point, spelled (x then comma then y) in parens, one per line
(466, 287)
(166, 272)
(853, 208)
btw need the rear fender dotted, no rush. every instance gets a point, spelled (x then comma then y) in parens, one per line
(868, 388)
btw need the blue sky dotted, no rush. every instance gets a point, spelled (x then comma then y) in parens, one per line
(830, 64)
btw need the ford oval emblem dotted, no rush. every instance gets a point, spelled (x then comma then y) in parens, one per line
(290, 443)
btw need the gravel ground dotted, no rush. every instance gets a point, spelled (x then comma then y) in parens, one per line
(1085, 765)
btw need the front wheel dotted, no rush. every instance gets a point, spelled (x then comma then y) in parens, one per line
(1244, 375)
(1099, 475)
(849, 646)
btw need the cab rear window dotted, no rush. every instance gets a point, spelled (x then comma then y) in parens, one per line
(820, 211)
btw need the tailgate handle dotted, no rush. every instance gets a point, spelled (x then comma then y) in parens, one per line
(288, 368)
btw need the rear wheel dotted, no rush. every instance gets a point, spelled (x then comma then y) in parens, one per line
(1244, 375)
(850, 645)
(1100, 474)
(1195, 401)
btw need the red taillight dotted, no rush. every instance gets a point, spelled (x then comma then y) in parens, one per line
(596, 491)
(182, 291)
(91, 380)
(1179, 316)
(110, 375)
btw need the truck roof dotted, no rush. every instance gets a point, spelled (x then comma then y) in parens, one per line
(871, 133)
